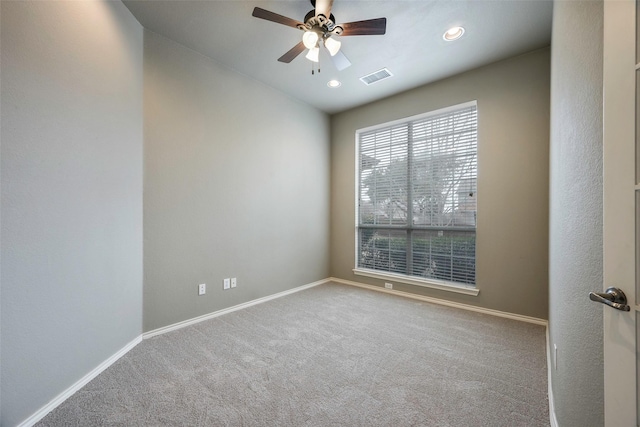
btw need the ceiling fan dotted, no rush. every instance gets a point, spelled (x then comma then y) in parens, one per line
(319, 26)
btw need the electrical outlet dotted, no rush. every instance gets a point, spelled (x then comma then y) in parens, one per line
(388, 285)
(227, 284)
(234, 282)
(202, 289)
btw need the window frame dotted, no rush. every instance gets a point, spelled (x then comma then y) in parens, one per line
(468, 289)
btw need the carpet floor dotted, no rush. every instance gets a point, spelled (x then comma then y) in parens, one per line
(332, 355)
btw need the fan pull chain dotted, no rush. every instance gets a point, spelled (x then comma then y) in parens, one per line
(313, 67)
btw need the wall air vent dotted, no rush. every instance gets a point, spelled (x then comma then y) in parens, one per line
(374, 77)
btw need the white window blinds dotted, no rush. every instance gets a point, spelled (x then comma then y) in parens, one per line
(417, 196)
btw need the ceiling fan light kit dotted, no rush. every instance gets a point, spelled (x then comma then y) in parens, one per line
(319, 25)
(332, 45)
(310, 39)
(313, 54)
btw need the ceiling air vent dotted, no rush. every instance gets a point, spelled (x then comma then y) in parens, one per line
(370, 79)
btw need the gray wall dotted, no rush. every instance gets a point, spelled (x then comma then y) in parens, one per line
(513, 158)
(71, 194)
(575, 245)
(236, 185)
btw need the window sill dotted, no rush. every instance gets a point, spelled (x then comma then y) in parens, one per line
(427, 283)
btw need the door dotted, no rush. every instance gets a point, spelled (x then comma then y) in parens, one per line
(621, 204)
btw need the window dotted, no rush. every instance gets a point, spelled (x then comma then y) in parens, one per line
(417, 191)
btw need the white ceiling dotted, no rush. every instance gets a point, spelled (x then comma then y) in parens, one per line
(412, 48)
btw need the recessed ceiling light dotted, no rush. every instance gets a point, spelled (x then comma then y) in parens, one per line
(453, 33)
(334, 83)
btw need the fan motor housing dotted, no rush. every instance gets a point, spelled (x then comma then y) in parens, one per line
(321, 24)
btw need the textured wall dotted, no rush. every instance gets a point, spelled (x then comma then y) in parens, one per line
(236, 185)
(71, 194)
(575, 243)
(513, 158)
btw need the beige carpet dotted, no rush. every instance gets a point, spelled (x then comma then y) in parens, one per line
(332, 355)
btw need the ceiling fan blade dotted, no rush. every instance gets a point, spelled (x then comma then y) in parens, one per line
(365, 28)
(295, 51)
(274, 17)
(323, 7)
(340, 61)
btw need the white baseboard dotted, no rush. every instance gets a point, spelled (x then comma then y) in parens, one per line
(208, 316)
(519, 317)
(489, 311)
(42, 412)
(553, 421)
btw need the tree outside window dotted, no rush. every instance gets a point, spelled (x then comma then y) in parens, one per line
(417, 196)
